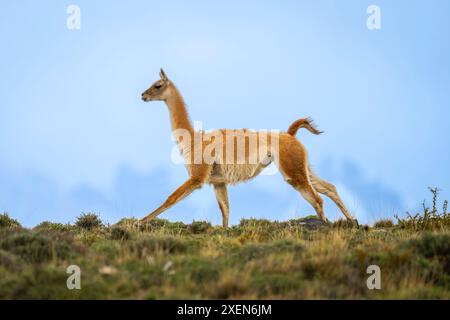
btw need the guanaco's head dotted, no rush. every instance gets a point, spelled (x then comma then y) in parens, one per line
(160, 90)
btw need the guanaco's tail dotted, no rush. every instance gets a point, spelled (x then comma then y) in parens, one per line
(306, 123)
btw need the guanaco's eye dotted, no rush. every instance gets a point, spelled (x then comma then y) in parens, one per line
(158, 85)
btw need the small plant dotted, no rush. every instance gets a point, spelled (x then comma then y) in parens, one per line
(88, 221)
(165, 225)
(197, 227)
(202, 270)
(9, 260)
(384, 223)
(152, 225)
(429, 218)
(342, 224)
(253, 251)
(163, 244)
(435, 246)
(7, 222)
(53, 226)
(252, 223)
(33, 247)
(128, 222)
(120, 233)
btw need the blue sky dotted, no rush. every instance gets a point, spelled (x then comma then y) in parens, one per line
(75, 136)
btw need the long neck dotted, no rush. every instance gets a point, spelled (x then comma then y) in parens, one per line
(179, 116)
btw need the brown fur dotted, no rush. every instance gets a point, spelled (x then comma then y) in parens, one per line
(290, 158)
(303, 123)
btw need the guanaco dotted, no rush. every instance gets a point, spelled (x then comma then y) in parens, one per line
(289, 156)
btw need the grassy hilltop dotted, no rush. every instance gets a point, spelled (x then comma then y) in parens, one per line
(296, 259)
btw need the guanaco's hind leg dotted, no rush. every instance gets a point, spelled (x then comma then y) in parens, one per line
(310, 195)
(330, 191)
(222, 199)
(292, 162)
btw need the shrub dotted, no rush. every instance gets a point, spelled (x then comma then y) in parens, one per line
(88, 221)
(127, 222)
(258, 250)
(34, 247)
(176, 228)
(53, 226)
(197, 227)
(154, 224)
(254, 223)
(166, 225)
(7, 222)
(433, 245)
(343, 224)
(258, 230)
(435, 248)
(429, 218)
(109, 249)
(202, 270)
(228, 286)
(385, 223)
(120, 233)
(266, 284)
(164, 244)
(9, 260)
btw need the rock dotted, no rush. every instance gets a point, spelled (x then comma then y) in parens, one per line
(313, 223)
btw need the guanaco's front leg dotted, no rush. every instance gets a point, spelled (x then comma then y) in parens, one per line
(222, 199)
(182, 192)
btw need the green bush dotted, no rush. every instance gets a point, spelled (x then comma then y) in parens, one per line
(434, 257)
(154, 224)
(176, 228)
(259, 230)
(429, 218)
(343, 224)
(9, 260)
(385, 223)
(433, 245)
(256, 223)
(260, 250)
(33, 247)
(88, 221)
(197, 227)
(165, 225)
(120, 233)
(202, 270)
(163, 244)
(7, 222)
(266, 284)
(47, 225)
(128, 222)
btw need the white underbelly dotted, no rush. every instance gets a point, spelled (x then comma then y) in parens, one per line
(235, 173)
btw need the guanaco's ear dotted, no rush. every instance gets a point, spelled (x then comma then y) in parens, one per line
(163, 75)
